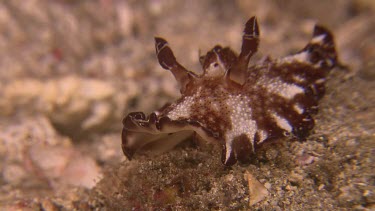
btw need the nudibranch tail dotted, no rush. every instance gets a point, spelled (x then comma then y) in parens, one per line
(237, 106)
(322, 48)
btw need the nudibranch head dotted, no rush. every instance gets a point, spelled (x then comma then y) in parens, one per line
(217, 61)
(234, 105)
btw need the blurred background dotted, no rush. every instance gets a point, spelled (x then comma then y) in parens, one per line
(70, 71)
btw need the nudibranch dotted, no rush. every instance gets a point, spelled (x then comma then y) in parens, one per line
(233, 104)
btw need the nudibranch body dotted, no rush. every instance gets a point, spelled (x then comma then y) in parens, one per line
(237, 106)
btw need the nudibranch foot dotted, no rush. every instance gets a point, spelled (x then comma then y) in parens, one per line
(238, 106)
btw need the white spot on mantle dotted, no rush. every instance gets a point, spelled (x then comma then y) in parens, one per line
(282, 122)
(262, 136)
(298, 109)
(302, 57)
(318, 39)
(280, 88)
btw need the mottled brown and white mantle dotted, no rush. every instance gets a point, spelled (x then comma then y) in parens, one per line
(233, 104)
